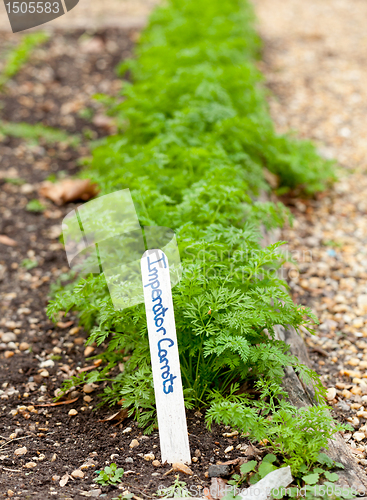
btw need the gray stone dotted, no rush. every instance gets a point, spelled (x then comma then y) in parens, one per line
(342, 405)
(95, 493)
(129, 460)
(222, 470)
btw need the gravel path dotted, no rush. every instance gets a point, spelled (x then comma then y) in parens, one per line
(314, 63)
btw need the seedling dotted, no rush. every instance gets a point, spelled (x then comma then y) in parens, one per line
(36, 133)
(29, 264)
(124, 496)
(110, 475)
(16, 181)
(177, 490)
(35, 206)
(310, 483)
(17, 57)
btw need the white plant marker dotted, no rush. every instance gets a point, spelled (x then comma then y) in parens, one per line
(165, 359)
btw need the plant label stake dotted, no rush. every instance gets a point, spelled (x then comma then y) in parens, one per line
(165, 358)
(105, 235)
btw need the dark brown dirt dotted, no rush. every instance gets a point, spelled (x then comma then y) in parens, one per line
(54, 89)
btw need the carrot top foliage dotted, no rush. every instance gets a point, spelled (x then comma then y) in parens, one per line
(194, 138)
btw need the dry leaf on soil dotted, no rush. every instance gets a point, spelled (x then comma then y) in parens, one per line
(120, 415)
(5, 240)
(180, 467)
(60, 403)
(69, 190)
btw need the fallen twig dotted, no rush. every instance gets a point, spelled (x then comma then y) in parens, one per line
(15, 439)
(60, 403)
(168, 472)
(320, 350)
(139, 490)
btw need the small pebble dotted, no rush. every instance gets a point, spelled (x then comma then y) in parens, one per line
(77, 474)
(359, 436)
(134, 443)
(127, 430)
(23, 346)
(156, 463)
(354, 421)
(129, 460)
(30, 465)
(331, 393)
(88, 388)
(49, 363)
(356, 390)
(362, 302)
(88, 351)
(355, 406)
(72, 413)
(20, 451)
(346, 394)
(230, 434)
(149, 457)
(228, 449)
